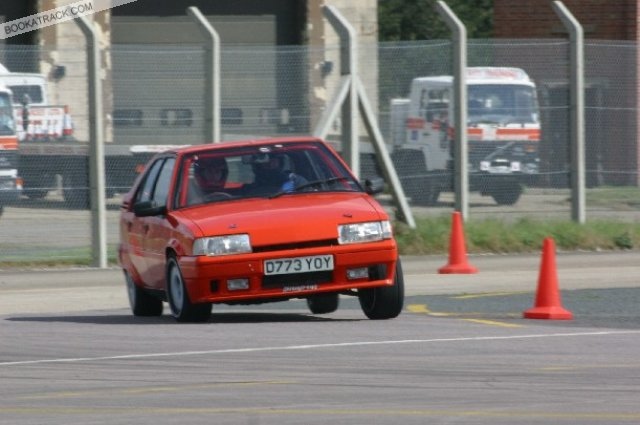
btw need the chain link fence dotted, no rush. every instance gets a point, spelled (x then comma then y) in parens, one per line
(154, 96)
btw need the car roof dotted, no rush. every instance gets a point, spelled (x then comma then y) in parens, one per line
(241, 143)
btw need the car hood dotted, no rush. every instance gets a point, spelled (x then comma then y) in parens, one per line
(285, 219)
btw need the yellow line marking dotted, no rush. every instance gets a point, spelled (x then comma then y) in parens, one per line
(418, 308)
(422, 309)
(146, 390)
(586, 367)
(493, 323)
(441, 413)
(489, 294)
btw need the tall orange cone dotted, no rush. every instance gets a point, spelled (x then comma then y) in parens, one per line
(548, 304)
(457, 250)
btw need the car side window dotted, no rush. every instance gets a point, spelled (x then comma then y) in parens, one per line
(146, 189)
(161, 191)
(157, 182)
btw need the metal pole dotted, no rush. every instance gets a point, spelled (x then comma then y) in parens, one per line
(383, 155)
(348, 67)
(212, 69)
(578, 185)
(461, 176)
(96, 148)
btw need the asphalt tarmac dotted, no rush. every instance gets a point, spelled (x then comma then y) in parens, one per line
(460, 352)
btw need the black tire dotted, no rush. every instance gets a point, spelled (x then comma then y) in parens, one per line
(429, 193)
(507, 193)
(384, 302)
(323, 303)
(418, 184)
(142, 303)
(75, 191)
(36, 193)
(181, 307)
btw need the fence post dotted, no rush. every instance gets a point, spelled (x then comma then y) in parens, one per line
(212, 70)
(578, 198)
(350, 95)
(348, 68)
(461, 172)
(96, 148)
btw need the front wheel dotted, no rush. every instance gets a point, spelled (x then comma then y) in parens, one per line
(507, 193)
(181, 307)
(384, 302)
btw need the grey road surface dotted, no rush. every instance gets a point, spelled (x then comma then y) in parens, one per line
(89, 289)
(71, 353)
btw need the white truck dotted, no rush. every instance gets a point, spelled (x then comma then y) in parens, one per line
(35, 118)
(45, 144)
(503, 131)
(10, 183)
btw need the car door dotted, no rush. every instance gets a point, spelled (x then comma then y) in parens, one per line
(136, 227)
(157, 229)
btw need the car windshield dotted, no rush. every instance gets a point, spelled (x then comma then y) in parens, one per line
(266, 171)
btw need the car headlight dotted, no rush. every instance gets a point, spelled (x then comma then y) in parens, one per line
(364, 232)
(222, 245)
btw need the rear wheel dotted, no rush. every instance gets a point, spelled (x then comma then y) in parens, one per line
(323, 303)
(142, 303)
(384, 302)
(181, 307)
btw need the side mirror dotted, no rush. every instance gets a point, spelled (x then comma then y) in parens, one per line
(374, 185)
(148, 209)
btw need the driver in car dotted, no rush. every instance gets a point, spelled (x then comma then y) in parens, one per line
(210, 176)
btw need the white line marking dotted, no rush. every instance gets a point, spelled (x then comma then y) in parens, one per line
(311, 346)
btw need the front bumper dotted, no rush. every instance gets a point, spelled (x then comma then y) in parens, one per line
(207, 278)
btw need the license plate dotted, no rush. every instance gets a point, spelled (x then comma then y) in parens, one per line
(314, 263)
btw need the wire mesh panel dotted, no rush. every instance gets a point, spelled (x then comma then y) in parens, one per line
(510, 119)
(154, 96)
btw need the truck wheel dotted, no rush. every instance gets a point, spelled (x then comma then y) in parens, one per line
(384, 302)
(36, 193)
(412, 171)
(507, 193)
(75, 191)
(427, 193)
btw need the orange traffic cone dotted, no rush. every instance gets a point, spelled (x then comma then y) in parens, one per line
(548, 304)
(457, 250)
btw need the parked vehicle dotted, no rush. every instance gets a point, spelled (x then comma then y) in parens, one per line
(503, 131)
(10, 183)
(45, 133)
(253, 222)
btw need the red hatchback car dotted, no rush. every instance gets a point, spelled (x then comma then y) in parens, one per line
(256, 221)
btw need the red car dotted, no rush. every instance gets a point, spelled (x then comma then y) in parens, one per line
(256, 221)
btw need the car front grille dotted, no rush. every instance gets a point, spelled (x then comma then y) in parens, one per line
(296, 245)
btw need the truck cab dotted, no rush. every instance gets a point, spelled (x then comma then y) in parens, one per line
(10, 183)
(503, 134)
